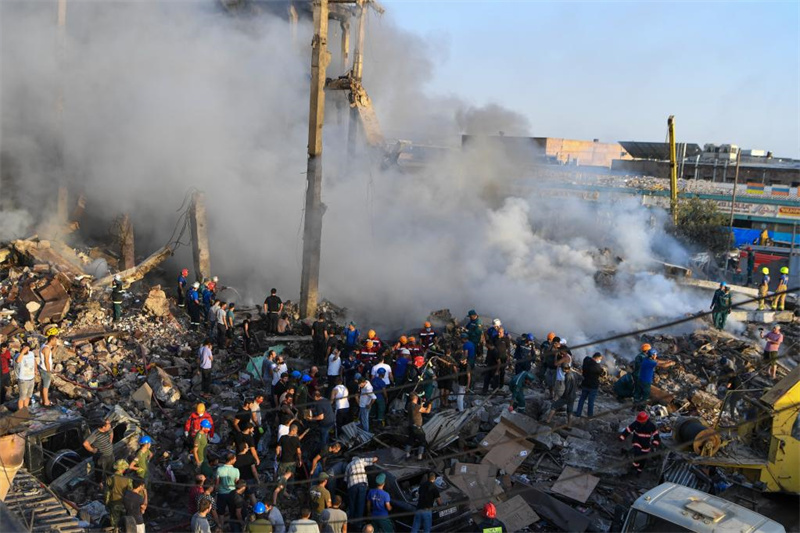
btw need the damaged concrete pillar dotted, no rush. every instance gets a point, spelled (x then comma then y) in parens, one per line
(200, 251)
(62, 211)
(126, 242)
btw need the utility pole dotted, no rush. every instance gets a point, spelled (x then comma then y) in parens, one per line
(733, 194)
(312, 231)
(673, 171)
(200, 250)
(356, 75)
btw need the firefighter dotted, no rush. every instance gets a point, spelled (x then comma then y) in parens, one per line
(721, 305)
(490, 524)
(194, 304)
(645, 438)
(783, 286)
(426, 336)
(192, 425)
(116, 297)
(524, 354)
(376, 341)
(763, 289)
(181, 288)
(474, 328)
(637, 361)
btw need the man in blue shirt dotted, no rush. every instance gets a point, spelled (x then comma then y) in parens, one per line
(647, 371)
(181, 289)
(474, 328)
(195, 306)
(378, 506)
(379, 388)
(351, 335)
(469, 349)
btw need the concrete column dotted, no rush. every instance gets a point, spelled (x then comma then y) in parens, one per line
(126, 242)
(312, 231)
(200, 250)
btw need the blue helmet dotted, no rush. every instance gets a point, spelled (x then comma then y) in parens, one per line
(205, 424)
(653, 352)
(723, 284)
(530, 337)
(259, 508)
(306, 378)
(295, 374)
(144, 439)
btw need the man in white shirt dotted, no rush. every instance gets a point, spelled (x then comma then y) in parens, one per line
(25, 363)
(388, 377)
(205, 360)
(280, 368)
(341, 404)
(222, 324)
(365, 398)
(334, 368)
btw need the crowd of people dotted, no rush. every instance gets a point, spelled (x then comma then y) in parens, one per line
(285, 452)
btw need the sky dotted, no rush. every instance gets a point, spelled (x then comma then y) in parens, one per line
(728, 71)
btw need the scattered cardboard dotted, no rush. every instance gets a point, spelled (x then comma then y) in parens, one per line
(575, 485)
(477, 481)
(516, 514)
(509, 452)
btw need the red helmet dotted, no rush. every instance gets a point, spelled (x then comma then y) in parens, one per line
(419, 361)
(489, 510)
(642, 417)
(185, 271)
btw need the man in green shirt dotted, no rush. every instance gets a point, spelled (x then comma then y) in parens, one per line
(201, 443)
(141, 464)
(116, 485)
(320, 497)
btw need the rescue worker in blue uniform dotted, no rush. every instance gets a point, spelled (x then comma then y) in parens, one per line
(181, 288)
(195, 305)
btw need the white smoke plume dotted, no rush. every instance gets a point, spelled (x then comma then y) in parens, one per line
(163, 97)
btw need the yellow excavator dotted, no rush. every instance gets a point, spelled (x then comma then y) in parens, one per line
(764, 446)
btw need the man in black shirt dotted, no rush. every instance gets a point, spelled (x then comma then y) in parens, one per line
(496, 360)
(319, 334)
(416, 434)
(428, 496)
(237, 507)
(592, 372)
(288, 451)
(246, 463)
(135, 502)
(272, 308)
(323, 413)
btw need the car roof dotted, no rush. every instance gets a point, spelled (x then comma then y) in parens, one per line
(701, 512)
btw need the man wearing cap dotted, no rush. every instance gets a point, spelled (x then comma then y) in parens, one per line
(721, 305)
(366, 397)
(194, 305)
(320, 497)
(779, 300)
(116, 485)
(474, 331)
(301, 393)
(646, 375)
(427, 336)
(260, 522)
(517, 388)
(490, 523)
(379, 504)
(645, 437)
(200, 443)
(180, 292)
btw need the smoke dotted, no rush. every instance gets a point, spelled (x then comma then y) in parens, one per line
(163, 97)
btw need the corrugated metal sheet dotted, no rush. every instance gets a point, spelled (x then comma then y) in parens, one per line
(443, 427)
(34, 504)
(352, 435)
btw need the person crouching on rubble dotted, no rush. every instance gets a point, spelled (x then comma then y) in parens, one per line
(416, 434)
(116, 485)
(645, 438)
(567, 398)
(517, 388)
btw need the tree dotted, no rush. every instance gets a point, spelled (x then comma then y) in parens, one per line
(700, 224)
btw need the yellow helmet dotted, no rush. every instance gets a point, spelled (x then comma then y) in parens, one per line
(53, 330)
(201, 408)
(403, 339)
(784, 270)
(371, 334)
(369, 344)
(765, 270)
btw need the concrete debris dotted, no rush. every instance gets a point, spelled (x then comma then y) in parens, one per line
(156, 303)
(163, 387)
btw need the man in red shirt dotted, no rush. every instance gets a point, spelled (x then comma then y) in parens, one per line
(5, 375)
(192, 425)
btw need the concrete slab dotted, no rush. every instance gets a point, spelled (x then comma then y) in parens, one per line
(592, 455)
(575, 484)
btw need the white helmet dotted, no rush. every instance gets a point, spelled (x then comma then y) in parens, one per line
(497, 322)
(405, 351)
(215, 279)
(117, 277)
(196, 284)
